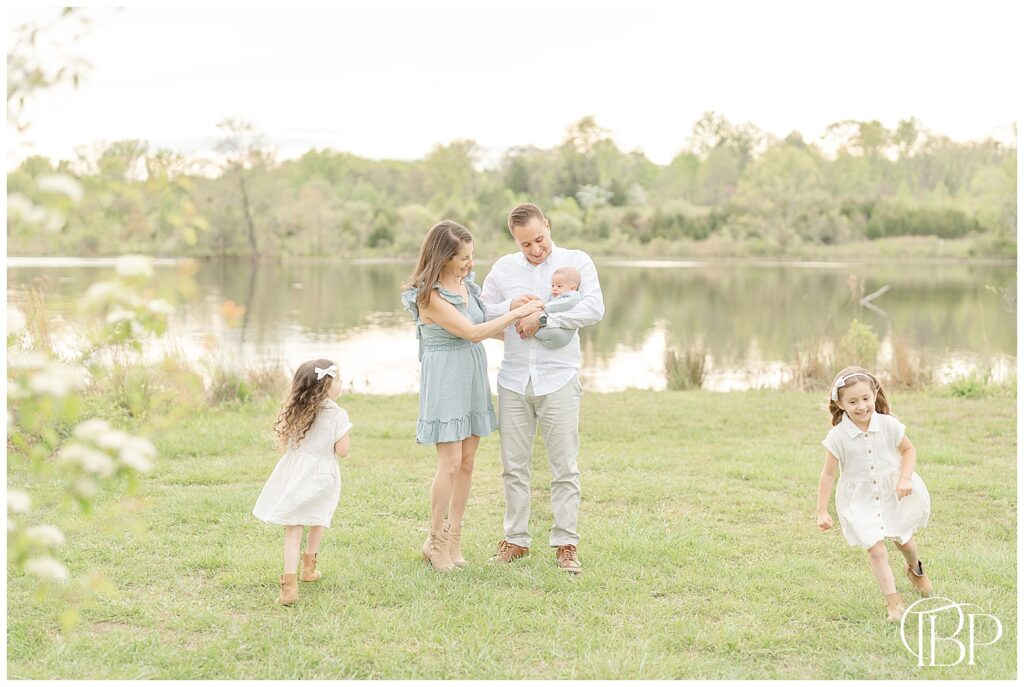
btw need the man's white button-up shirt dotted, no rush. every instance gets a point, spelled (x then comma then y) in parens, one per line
(525, 359)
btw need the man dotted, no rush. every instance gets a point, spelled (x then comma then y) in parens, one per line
(539, 386)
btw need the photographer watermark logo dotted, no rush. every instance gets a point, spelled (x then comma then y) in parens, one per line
(935, 626)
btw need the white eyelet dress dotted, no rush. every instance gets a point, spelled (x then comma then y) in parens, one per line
(870, 470)
(305, 487)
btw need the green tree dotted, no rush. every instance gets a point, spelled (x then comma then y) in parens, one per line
(246, 155)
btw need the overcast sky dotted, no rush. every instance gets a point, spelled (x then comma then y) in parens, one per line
(391, 81)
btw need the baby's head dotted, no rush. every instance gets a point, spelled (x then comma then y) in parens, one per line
(856, 392)
(565, 279)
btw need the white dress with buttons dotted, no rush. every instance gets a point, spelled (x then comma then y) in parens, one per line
(305, 487)
(869, 472)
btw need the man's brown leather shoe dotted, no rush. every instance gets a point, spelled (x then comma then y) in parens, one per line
(508, 552)
(566, 556)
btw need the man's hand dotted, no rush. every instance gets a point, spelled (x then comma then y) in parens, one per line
(528, 326)
(522, 299)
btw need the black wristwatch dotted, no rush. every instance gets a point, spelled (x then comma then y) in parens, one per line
(543, 320)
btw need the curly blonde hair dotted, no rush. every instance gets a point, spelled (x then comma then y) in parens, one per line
(861, 375)
(304, 401)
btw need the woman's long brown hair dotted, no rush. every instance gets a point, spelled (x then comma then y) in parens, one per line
(441, 244)
(861, 375)
(304, 401)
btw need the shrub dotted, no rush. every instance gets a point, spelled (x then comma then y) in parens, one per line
(859, 346)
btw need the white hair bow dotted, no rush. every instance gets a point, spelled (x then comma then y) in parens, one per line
(840, 383)
(323, 372)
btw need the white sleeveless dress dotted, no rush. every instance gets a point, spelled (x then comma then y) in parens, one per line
(305, 487)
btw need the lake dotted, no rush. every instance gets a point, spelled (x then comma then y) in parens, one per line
(751, 317)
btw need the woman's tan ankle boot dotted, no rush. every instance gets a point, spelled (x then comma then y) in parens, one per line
(435, 552)
(309, 569)
(455, 545)
(894, 606)
(289, 590)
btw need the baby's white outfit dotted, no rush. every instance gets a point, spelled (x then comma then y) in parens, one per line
(870, 470)
(305, 487)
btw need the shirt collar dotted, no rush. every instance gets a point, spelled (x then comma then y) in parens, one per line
(523, 261)
(853, 430)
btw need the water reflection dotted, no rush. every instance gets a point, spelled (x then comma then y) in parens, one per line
(750, 317)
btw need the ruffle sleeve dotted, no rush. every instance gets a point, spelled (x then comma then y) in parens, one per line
(409, 302)
(453, 298)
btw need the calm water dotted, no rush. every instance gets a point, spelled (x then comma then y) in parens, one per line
(750, 317)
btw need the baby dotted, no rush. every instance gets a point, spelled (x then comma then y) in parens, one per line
(565, 284)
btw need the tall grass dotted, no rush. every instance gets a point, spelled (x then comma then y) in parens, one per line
(685, 367)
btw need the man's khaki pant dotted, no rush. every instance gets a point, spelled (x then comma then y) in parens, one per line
(558, 416)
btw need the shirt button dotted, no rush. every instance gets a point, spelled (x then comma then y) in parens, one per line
(876, 498)
(872, 467)
(869, 450)
(874, 482)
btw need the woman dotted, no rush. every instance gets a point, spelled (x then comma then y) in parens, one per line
(455, 396)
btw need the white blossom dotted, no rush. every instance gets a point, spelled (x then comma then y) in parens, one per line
(117, 315)
(45, 535)
(131, 266)
(18, 501)
(160, 307)
(136, 461)
(143, 446)
(85, 487)
(138, 454)
(112, 439)
(46, 568)
(20, 207)
(90, 429)
(26, 360)
(58, 379)
(14, 390)
(103, 291)
(15, 321)
(60, 183)
(90, 459)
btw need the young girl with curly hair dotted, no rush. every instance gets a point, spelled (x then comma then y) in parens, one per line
(304, 489)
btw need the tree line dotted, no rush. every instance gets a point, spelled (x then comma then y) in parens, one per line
(733, 183)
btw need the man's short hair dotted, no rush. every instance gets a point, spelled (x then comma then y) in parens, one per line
(522, 213)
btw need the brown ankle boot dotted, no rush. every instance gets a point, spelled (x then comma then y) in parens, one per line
(435, 552)
(289, 590)
(309, 570)
(894, 606)
(920, 581)
(455, 545)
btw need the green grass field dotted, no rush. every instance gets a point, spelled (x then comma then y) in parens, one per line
(699, 544)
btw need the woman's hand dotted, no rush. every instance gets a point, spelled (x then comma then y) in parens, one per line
(529, 307)
(824, 521)
(903, 488)
(521, 300)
